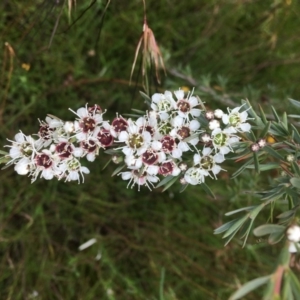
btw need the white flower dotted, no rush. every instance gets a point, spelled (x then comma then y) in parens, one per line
(24, 166)
(22, 147)
(135, 140)
(163, 104)
(223, 139)
(45, 166)
(237, 119)
(87, 122)
(139, 178)
(186, 106)
(208, 162)
(169, 168)
(64, 149)
(195, 175)
(186, 132)
(71, 169)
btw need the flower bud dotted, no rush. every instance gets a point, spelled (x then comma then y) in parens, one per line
(261, 143)
(293, 233)
(209, 115)
(254, 147)
(213, 124)
(218, 113)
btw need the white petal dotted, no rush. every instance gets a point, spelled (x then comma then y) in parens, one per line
(85, 170)
(22, 167)
(193, 101)
(219, 158)
(152, 170)
(177, 153)
(245, 127)
(123, 136)
(126, 175)
(179, 94)
(91, 156)
(216, 169)
(47, 174)
(195, 112)
(197, 159)
(206, 151)
(225, 119)
(82, 112)
(19, 137)
(194, 125)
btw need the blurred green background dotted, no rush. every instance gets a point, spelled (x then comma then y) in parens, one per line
(152, 245)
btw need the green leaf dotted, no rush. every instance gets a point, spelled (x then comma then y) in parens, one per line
(265, 167)
(256, 162)
(287, 288)
(295, 102)
(285, 121)
(295, 181)
(294, 116)
(249, 286)
(106, 164)
(256, 211)
(295, 284)
(268, 229)
(265, 130)
(146, 98)
(224, 227)
(236, 226)
(263, 116)
(170, 183)
(242, 168)
(165, 181)
(296, 168)
(207, 190)
(275, 114)
(239, 210)
(117, 170)
(295, 134)
(183, 187)
(275, 237)
(274, 153)
(286, 214)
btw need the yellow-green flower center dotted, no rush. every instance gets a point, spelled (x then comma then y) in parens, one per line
(135, 141)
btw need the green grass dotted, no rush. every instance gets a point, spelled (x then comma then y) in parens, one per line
(252, 46)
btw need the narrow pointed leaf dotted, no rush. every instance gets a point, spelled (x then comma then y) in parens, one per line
(117, 170)
(296, 135)
(274, 153)
(263, 116)
(239, 210)
(295, 181)
(165, 181)
(249, 286)
(236, 226)
(207, 190)
(295, 102)
(275, 114)
(256, 162)
(265, 130)
(275, 237)
(224, 227)
(170, 183)
(268, 229)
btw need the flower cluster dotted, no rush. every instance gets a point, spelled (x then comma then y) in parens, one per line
(154, 145)
(56, 149)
